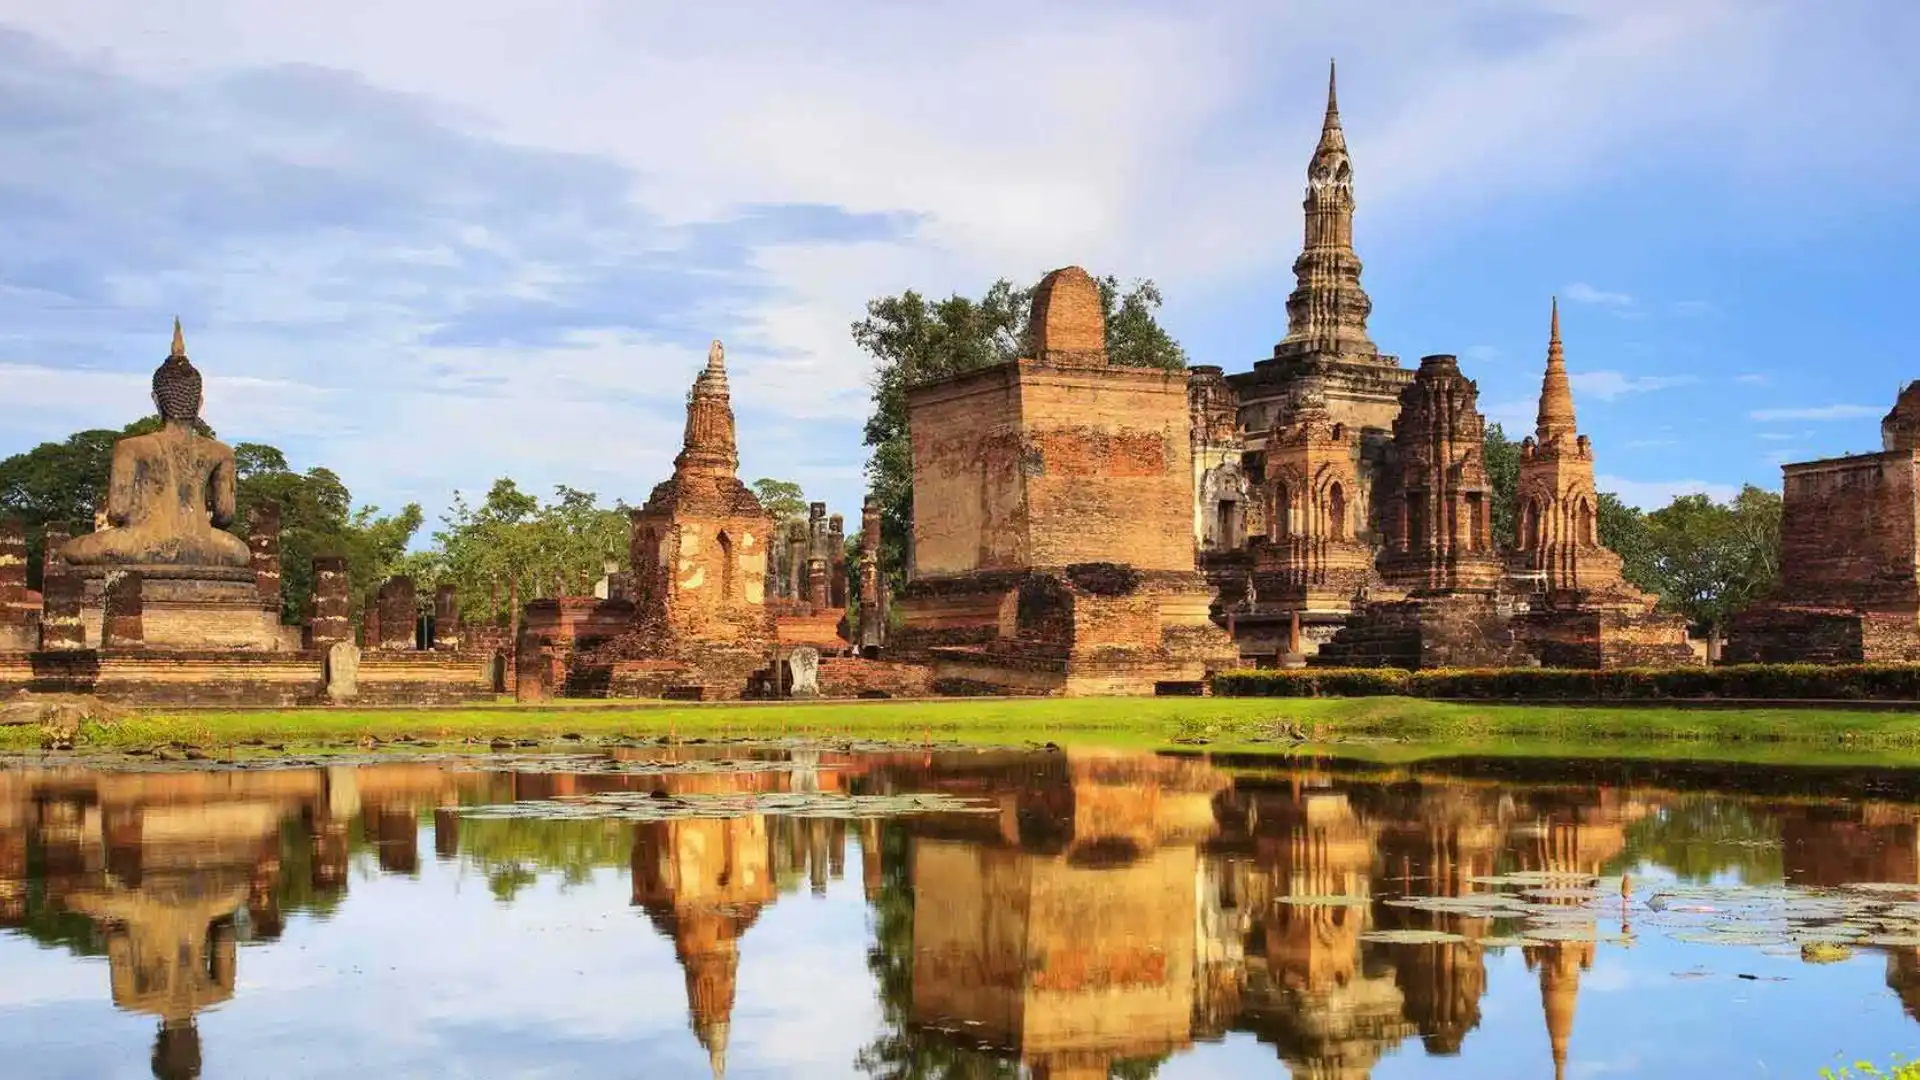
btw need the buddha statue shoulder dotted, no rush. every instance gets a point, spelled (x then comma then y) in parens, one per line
(170, 493)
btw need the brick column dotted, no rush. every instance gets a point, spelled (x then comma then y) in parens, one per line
(121, 611)
(398, 615)
(837, 561)
(263, 540)
(872, 620)
(60, 627)
(332, 621)
(56, 538)
(17, 613)
(446, 618)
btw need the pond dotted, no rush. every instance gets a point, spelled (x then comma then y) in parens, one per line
(784, 911)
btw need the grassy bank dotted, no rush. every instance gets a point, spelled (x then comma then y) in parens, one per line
(1138, 722)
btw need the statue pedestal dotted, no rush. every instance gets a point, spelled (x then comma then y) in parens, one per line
(190, 608)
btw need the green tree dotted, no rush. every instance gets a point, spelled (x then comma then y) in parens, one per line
(914, 340)
(1713, 559)
(512, 540)
(783, 499)
(1502, 458)
(1625, 532)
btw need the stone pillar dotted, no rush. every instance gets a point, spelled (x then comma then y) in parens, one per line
(120, 604)
(332, 617)
(398, 615)
(837, 561)
(446, 619)
(263, 540)
(60, 627)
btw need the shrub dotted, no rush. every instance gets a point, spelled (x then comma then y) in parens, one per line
(1784, 682)
(1897, 1069)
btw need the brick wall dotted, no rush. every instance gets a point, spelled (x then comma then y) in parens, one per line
(1848, 531)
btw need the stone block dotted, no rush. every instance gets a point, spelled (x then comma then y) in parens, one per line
(61, 627)
(343, 671)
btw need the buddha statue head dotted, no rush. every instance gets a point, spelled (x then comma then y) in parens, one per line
(176, 384)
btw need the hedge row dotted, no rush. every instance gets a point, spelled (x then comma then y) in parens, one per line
(1779, 682)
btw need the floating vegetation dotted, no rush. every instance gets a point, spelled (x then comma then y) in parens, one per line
(646, 806)
(1414, 937)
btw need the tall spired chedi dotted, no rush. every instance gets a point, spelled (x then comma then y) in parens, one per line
(169, 494)
(1327, 311)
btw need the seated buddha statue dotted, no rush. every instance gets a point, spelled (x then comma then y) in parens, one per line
(169, 493)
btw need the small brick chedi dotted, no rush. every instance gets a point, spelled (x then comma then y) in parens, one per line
(1849, 586)
(1584, 613)
(698, 624)
(1052, 546)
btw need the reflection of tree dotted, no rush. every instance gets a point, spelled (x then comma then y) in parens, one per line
(1699, 837)
(513, 852)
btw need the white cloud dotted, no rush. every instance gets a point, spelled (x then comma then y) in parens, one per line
(1137, 141)
(1582, 293)
(1654, 494)
(1753, 378)
(1607, 385)
(1818, 412)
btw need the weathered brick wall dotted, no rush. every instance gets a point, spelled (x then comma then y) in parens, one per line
(856, 677)
(147, 677)
(332, 619)
(1600, 638)
(263, 545)
(19, 608)
(968, 491)
(1784, 634)
(399, 616)
(1109, 468)
(1848, 531)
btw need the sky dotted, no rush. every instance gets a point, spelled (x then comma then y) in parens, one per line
(430, 244)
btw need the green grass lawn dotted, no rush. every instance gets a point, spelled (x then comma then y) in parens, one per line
(1417, 726)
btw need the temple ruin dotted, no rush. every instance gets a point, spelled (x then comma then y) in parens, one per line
(1053, 495)
(1849, 586)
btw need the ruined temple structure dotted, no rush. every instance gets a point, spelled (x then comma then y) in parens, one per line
(1052, 545)
(1849, 585)
(1584, 613)
(697, 625)
(162, 604)
(1286, 600)
(1326, 343)
(1438, 603)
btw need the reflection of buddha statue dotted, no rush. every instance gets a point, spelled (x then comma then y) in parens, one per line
(169, 493)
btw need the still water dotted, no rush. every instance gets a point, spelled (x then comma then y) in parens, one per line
(779, 912)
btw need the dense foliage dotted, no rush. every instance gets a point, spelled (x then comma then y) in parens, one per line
(513, 540)
(1775, 682)
(914, 340)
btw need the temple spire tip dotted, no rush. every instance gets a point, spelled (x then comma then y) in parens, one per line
(1554, 332)
(1333, 96)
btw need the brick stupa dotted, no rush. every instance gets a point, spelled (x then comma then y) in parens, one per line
(1052, 544)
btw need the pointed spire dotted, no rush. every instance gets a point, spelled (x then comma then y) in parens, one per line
(1556, 419)
(179, 339)
(709, 444)
(1332, 136)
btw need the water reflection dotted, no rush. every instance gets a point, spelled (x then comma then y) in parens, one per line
(1105, 915)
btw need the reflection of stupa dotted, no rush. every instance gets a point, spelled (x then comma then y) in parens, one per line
(703, 883)
(1080, 949)
(1308, 993)
(1444, 838)
(1560, 964)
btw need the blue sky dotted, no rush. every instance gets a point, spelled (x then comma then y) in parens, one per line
(435, 243)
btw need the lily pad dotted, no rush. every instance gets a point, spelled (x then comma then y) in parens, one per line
(1413, 937)
(643, 806)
